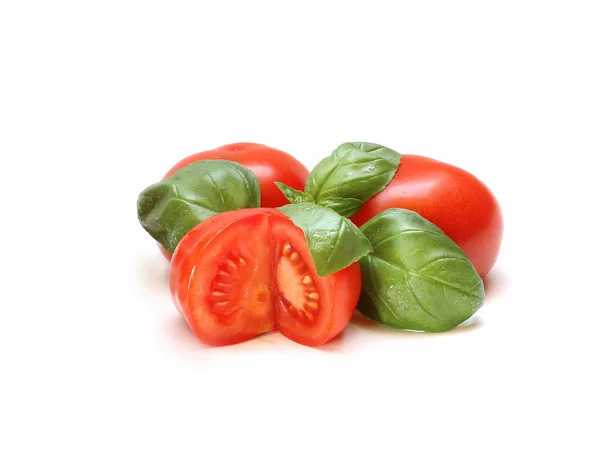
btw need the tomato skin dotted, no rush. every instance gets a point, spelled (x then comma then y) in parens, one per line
(267, 236)
(450, 197)
(269, 165)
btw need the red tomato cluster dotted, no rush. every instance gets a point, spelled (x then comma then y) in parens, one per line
(246, 272)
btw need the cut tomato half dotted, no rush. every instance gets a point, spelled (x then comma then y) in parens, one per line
(243, 273)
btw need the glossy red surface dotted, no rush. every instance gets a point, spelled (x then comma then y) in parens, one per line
(450, 197)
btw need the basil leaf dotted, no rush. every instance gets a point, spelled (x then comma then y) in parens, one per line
(354, 170)
(294, 195)
(379, 150)
(169, 209)
(343, 206)
(417, 278)
(334, 242)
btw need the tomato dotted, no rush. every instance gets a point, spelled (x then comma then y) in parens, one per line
(450, 197)
(242, 273)
(267, 163)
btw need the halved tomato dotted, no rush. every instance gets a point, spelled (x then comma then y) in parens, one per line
(247, 272)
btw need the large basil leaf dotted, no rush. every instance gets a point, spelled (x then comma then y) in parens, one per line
(417, 278)
(334, 242)
(356, 170)
(169, 209)
(375, 149)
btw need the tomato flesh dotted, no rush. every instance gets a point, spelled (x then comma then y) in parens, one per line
(311, 309)
(223, 287)
(244, 273)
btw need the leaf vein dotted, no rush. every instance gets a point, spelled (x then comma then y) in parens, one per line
(424, 277)
(441, 258)
(317, 195)
(244, 180)
(337, 240)
(410, 288)
(407, 231)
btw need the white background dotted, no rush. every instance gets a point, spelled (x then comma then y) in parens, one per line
(99, 99)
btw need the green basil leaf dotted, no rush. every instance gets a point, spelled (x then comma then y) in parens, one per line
(294, 195)
(169, 209)
(343, 206)
(354, 170)
(417, 278)
(379, 150)
(334, 242)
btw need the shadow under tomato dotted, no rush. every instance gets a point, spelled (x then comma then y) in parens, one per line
(271, 338)
(365, 323)
(181, 335)
(495, 284)
(155, 274)
(178, 331)
(336, 344)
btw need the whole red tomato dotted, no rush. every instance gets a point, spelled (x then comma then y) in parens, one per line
(268, 164)
(450, 197)
(242, 273)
